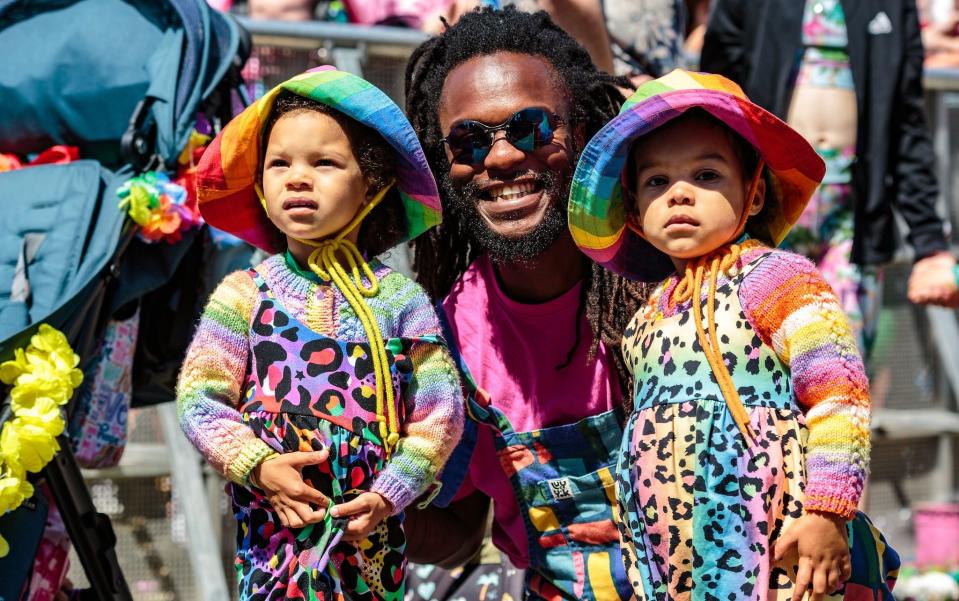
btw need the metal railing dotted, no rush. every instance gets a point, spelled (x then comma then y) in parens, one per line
(378, 54)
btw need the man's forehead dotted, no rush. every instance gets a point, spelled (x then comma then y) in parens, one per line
(490, 88)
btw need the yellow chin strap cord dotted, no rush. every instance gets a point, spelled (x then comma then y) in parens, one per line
(324, 262)
(719, 261)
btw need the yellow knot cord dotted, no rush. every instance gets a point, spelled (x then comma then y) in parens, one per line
(324, 261)
(721, 261)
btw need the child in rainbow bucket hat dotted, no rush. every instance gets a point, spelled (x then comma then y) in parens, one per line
(746, 452)
(318, 383)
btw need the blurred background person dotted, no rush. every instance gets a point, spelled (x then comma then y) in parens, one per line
(413, 14)
(848, 76)
(640, 39)
(637, 38)
(582, 19)
(650, 38)
(698, 11)
(940, 32)
(281, 10)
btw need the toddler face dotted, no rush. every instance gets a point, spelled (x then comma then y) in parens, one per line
(689, 188)
(311, 179)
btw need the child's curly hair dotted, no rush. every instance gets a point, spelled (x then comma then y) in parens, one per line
(385, 226)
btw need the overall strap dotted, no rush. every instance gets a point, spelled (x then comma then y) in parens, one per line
(478, 405)
(265, 292)
(453, 474)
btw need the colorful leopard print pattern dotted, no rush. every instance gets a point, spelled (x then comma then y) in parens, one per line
(307, 392)
(699, 507)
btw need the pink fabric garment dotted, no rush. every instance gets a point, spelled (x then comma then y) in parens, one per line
(512, 349)
(412, 13)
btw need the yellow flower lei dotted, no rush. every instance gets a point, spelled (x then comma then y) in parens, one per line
(43, 377)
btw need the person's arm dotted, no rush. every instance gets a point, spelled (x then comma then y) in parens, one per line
(447, 537)
(211, 380)
(433, 401)
(913, 158)
(698, 11)
(583, 20)
(794, 311)
(917, 190)
(723, 44)
(933, 281)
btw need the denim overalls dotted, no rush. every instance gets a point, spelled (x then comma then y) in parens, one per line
(563, 480)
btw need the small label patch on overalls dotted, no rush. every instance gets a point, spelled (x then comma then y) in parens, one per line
(560, 488)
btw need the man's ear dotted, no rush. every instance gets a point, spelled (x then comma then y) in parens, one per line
(579, 135)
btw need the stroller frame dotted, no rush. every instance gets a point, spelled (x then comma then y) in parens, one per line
(90, 531)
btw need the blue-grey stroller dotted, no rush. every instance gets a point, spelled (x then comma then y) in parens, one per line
(124, 81)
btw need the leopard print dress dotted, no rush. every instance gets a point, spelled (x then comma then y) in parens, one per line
(699, 506)
(306, 392)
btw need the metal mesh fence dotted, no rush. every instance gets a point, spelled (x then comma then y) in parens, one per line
(903, 376)
(902, 373)
(148, 519)
(377, 54)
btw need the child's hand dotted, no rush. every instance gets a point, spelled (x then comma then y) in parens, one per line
(365, 512)
(282, 483)
(819, 540)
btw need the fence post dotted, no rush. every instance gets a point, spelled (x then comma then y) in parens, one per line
(204, 543)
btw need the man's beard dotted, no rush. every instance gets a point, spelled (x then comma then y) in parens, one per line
(502, 249)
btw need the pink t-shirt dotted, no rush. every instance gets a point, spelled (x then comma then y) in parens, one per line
(512, 349)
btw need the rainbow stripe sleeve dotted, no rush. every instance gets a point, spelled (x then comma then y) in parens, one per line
(212, 378)
(433, 400)
(796, 312)
(214, 372)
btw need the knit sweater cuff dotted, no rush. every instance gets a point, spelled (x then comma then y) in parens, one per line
(251, 455)
(843, 505)
(395, 490)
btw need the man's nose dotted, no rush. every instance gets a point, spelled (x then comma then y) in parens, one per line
(503, 156)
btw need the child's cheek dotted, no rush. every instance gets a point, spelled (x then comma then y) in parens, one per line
(640, 212)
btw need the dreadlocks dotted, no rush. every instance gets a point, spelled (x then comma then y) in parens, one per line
(444, 253)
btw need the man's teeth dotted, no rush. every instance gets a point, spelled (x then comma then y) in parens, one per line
(512, 192)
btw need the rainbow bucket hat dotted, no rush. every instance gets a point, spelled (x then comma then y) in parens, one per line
(227, 172)
(597, 214)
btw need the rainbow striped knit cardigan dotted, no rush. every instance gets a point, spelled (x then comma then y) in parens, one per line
(794, 311)
(213, 375)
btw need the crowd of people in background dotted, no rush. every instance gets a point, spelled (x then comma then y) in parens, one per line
(639, 38)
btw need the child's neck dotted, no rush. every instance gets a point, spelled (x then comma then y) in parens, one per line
(302, 251)
(681, 264)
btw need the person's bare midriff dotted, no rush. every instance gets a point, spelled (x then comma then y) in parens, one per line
(826, 117)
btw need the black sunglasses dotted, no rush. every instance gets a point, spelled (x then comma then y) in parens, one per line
(528, 129)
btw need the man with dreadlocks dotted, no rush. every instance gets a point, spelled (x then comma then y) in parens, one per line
(502, 102)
